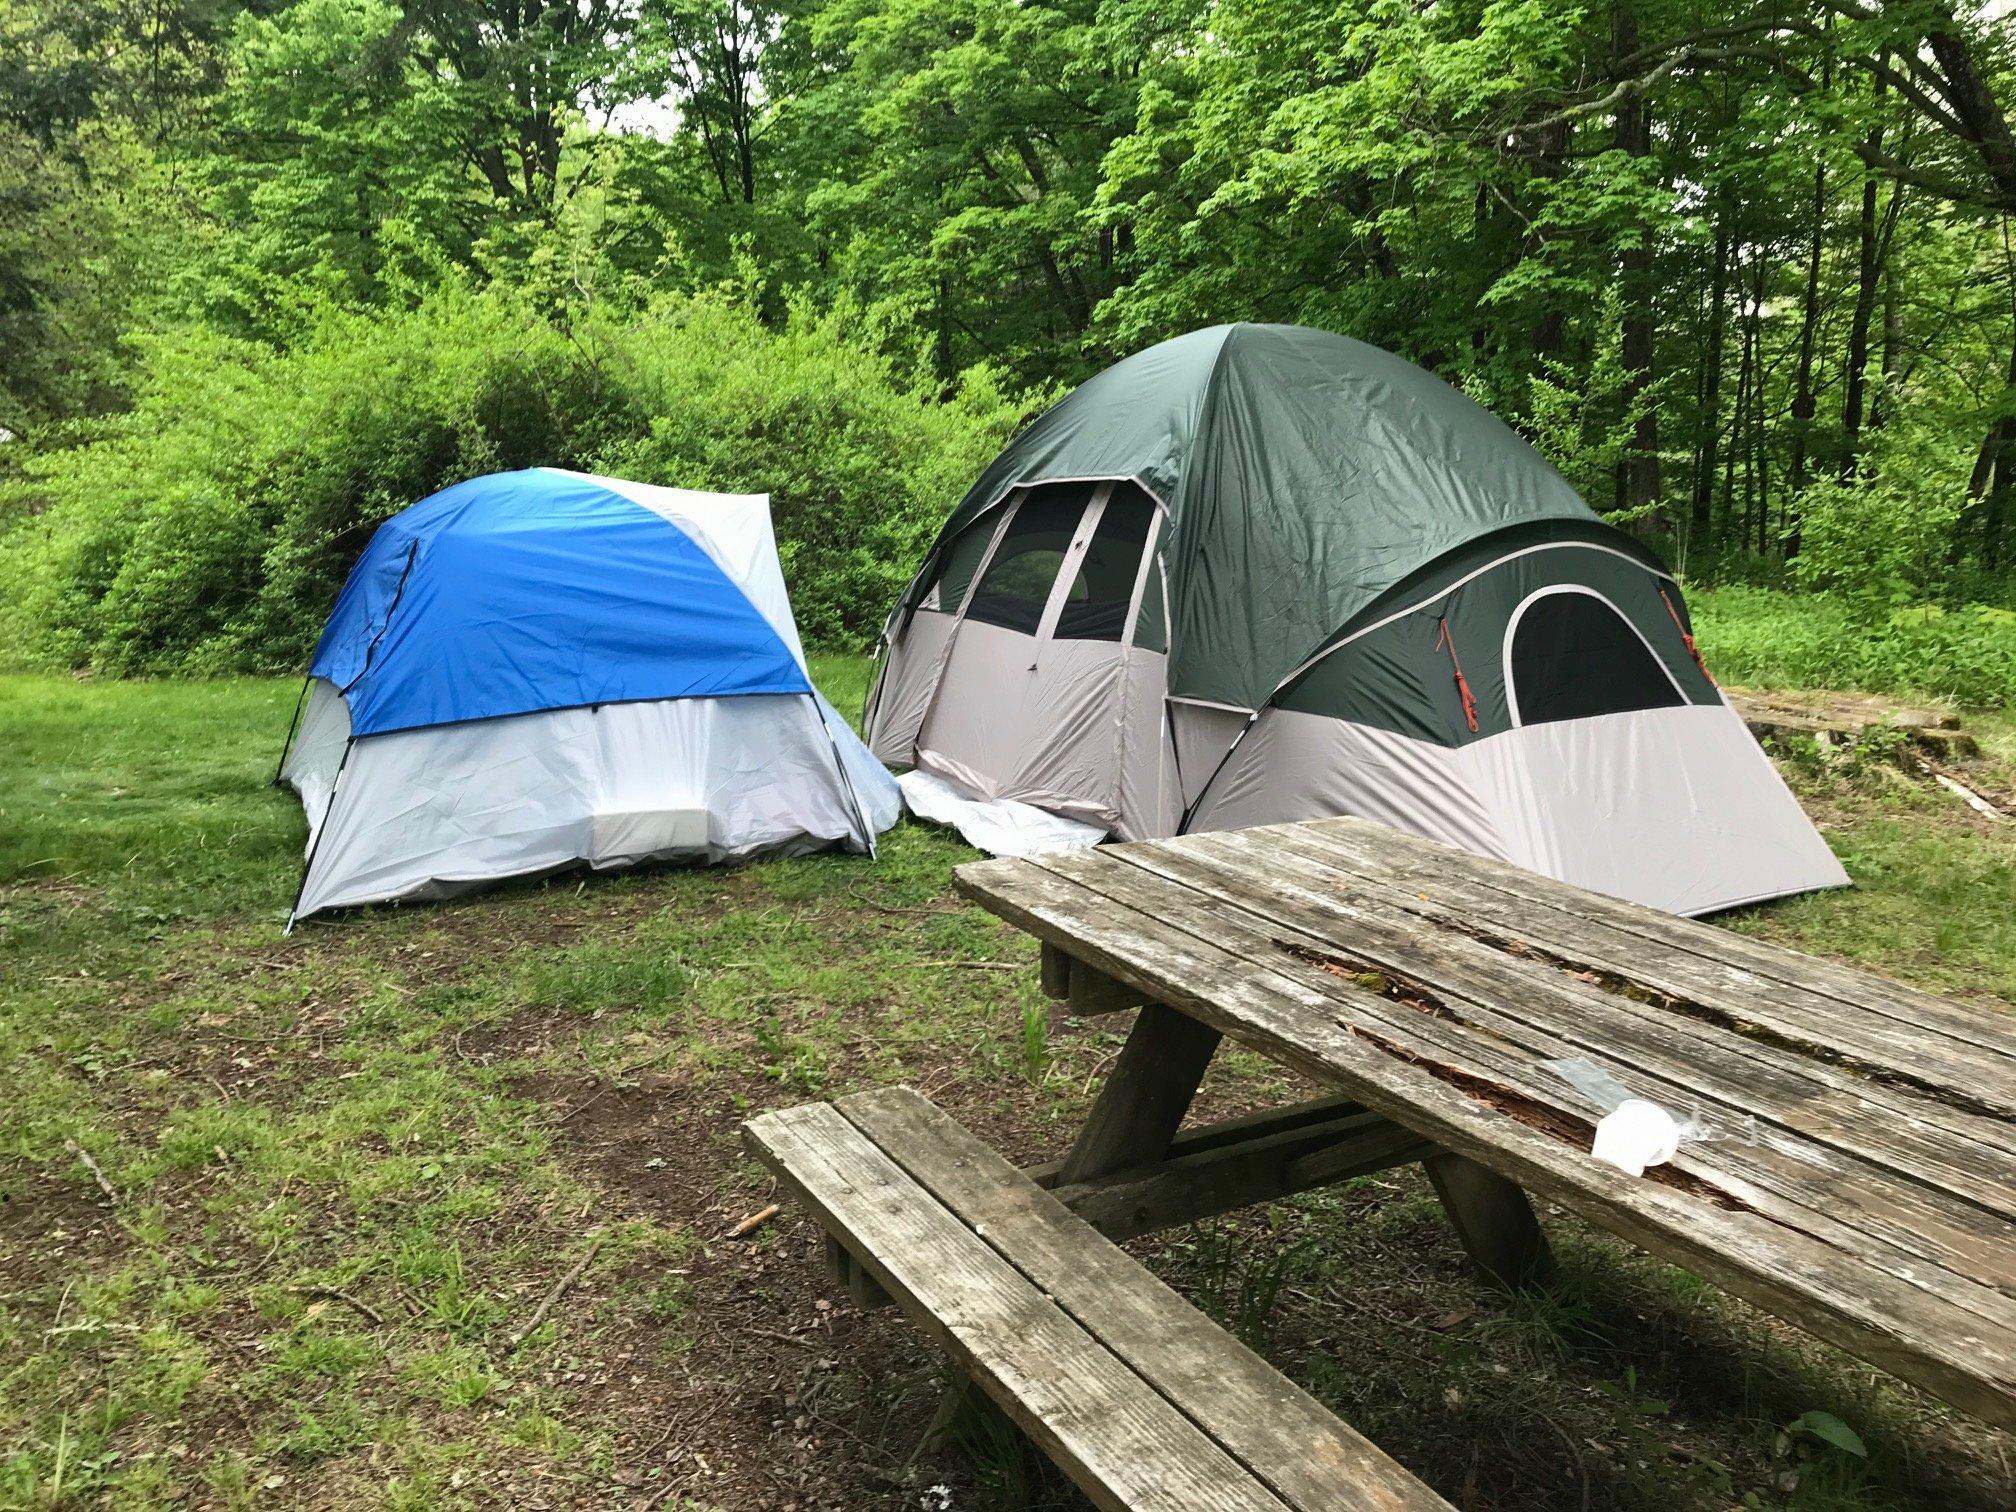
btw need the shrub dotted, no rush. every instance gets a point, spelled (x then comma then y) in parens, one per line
(209, 528)
(861, 472)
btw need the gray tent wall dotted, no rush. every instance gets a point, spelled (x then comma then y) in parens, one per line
(1503, 671)
(1030, 670)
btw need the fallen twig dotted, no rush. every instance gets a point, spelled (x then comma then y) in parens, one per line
(755, 1221)
(1960, 790)
(340, 1296)
(97, 1173)
(584, 1105)
(553, 1296)
(972, 965)
(784, 1338)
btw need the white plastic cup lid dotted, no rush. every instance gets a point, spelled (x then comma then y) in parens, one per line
(1636, 1135)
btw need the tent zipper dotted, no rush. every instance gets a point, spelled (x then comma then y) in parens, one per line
(1443, 641)
(1686, 637)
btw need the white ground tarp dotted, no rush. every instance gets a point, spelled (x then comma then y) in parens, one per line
(999, 826)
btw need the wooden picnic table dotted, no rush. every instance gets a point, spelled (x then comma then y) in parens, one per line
(1864, 1184)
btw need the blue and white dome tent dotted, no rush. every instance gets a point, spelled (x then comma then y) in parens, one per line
(541, 669)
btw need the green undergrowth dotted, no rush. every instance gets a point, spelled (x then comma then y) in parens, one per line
(1773, 638)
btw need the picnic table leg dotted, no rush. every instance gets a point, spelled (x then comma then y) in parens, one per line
(1493, 1219)
(1143, 1102)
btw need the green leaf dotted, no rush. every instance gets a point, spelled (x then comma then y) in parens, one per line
(1829, 1429)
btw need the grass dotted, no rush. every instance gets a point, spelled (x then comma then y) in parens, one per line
(1779, 639)
(350, 1166)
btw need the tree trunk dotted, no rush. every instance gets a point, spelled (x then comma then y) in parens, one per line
(1739, 427)
(1852, 398)
(1994, 481)
(1804, 405)
(742, 114)
(1979, 113)
(1551, 163)
(1760, 439)
(1710, 430)
(1893, 340)
(1639, 476)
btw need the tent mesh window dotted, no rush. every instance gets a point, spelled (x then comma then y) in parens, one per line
(963, 556)
(1108, 570)
(1573, 657)
(1016, 586)
(1151, 625)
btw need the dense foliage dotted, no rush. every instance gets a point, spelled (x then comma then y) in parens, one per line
(269, 268)
(208, 527)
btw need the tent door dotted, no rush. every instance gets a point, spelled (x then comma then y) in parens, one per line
(1028, 704)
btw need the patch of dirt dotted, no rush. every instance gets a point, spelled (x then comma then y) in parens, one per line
(768, 1389)
(772, 1389)
(52, 1220)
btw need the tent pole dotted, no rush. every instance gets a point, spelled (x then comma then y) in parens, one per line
(308, 865)
(846, 782)
(293, 726)
(1203, 792)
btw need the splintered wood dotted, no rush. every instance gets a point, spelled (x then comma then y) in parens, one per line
(1860, 1177)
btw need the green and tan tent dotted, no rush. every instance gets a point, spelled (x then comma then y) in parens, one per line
(1261, 573)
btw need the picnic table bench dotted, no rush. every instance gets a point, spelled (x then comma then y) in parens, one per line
(1862, 1187)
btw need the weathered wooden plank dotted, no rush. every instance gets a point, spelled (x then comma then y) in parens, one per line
(1831, 1294)
(1117, 1438)
(847, 1273)
(1717, 1014)
(1260, 1124)
(1809, 1004)
(1143, 1102)
(1054, 973)
(1695, 1065)
(1894, 1026)
(1289, 1441)
(1198, 1183)
(1842, 1147)
(1918, 1235)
